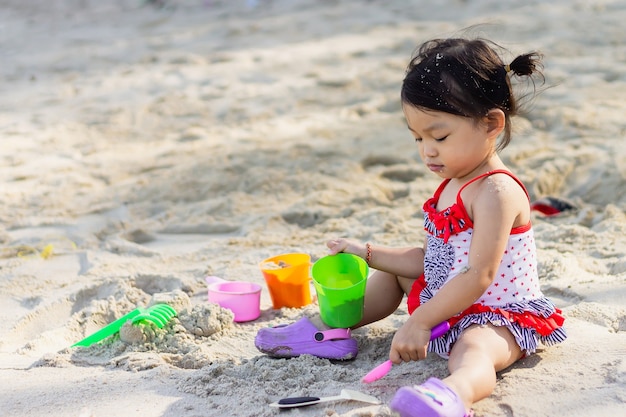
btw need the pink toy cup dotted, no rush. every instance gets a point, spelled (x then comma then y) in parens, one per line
(240, 297)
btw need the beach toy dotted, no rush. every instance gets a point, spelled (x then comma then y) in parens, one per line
(240, 297)
(158, 314)
(288, 279)
(384, 368)
(340, 281)
(346, 394)
(551, 206)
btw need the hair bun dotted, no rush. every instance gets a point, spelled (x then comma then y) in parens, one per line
(525, 64)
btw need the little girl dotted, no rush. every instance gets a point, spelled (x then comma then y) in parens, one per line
(478, 266)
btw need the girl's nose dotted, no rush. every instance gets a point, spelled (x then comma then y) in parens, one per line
(429, 150)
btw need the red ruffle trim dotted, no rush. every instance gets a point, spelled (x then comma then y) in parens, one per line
(448, 222)
(543, 325)
(413, 298)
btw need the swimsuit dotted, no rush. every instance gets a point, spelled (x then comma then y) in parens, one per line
(514, 298)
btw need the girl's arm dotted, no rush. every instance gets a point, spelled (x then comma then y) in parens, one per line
(403, 262)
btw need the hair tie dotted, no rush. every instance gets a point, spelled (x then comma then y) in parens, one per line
(507, 68)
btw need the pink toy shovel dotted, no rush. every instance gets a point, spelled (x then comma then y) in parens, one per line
(384, 368)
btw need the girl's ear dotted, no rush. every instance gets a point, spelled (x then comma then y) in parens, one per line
(495, 122)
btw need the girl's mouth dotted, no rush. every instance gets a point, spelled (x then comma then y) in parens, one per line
(435, 168)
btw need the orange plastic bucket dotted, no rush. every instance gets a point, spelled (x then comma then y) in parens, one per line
(288, 279)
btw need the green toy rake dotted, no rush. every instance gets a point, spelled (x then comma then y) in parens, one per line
(158, 314)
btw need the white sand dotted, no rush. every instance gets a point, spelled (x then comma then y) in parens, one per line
(144, 148)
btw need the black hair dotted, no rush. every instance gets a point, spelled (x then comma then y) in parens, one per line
(466, 77)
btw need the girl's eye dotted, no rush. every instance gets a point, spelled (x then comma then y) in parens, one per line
(436, 140)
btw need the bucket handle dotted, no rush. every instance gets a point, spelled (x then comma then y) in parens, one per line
(211, 279)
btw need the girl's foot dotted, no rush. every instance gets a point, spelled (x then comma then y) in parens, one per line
(431, 399)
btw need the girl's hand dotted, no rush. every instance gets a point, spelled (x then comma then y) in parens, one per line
(409, 343)
(346, 246)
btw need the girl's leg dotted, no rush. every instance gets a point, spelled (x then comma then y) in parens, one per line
(480, 352)
(383, 295)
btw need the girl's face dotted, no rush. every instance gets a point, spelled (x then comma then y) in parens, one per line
(451, 146)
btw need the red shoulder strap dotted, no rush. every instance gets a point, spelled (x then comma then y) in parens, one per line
(461, 206)
(488, 174)
(440, 189)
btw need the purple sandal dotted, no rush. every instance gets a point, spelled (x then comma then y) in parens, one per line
(431, 399)
(303, 338)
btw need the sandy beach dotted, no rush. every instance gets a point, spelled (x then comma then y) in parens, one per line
(149, 144)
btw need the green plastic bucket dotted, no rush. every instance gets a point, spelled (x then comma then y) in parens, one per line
(340, 281)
